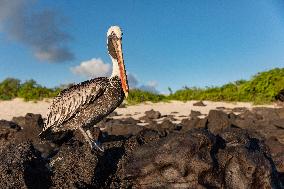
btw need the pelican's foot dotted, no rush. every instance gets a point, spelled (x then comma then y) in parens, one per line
(96, 145)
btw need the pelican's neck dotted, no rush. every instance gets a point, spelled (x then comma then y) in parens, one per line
(115, 68)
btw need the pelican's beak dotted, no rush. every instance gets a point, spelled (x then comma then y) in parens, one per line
(120, 60)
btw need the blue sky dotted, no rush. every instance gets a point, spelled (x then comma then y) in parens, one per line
(166, 43)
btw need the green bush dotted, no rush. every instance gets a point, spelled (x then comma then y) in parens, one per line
(9, 88)
(30, 90)
(137, 96)
(262, 88)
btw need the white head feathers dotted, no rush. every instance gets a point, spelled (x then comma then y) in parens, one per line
(116, 30)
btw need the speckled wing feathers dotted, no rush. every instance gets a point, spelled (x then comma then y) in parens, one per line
(70, 100)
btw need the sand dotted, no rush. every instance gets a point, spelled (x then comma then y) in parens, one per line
(17, 107)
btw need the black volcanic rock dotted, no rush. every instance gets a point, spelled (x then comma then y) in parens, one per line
(8, 129)
(73, 166)
(9, 125)
(170, 117)
(125, 126)
(8, 132)
(219, 151)
(129, 120)
(22, 167)
(169, 162)
(277, 152)
(152, 114)
(123, 129)
(198, 159)
(112, 122)
(31, 125)
(168, 125)
(239, 109)
(188, 124)
(217, 121)
(280, 112)
(279, 123)
(194, 114)
(263, 113)
(199, 103)
(30, 120)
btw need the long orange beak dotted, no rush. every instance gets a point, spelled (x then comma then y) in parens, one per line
(120, 60)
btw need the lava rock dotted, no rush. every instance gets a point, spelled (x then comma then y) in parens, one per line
(125, 126)
(249, 115)
(170, 162)
(170, 117)
(188, 124)
(198, 159)
(213, 152)
(123, 129)
(199, 103)
(277, 152)
(246, 162)
(279, 123)
(8, 132)
(194, 114)
(151, 114)
(239, 109)
(9, 124)
(30, 120)
(166, 127)
(109, 122)
(22, 167)
(129, 120)
(265, 113)
(217, 121)
(73, 166)
(31, 125)
(143, 137)
(280, 112)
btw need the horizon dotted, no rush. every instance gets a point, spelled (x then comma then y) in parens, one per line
(145, 89)
(194, 44)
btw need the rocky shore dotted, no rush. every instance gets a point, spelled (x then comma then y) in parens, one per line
(239, 148)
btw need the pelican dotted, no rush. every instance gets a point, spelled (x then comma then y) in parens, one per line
(83, 105)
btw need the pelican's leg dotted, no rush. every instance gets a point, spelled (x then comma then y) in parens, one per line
(95, 143)
(87, 138)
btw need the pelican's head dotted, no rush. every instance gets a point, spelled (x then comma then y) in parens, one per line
(114, 44)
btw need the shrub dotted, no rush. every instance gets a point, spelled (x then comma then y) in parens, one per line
(30, 90)
(262, 88)
(9, 88)
(137, 96)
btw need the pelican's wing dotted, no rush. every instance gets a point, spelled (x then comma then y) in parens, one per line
(70, 100)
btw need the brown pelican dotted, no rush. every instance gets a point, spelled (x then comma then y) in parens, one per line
(83, 105)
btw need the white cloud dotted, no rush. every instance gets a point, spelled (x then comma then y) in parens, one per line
(92, 68)
(95, 67)
(151, 86)
(152, 83)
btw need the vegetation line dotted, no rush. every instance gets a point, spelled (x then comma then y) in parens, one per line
(261, 88)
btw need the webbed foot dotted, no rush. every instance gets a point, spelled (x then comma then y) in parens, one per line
(96, 145)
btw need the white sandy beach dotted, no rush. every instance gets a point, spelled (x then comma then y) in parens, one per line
(17, 107)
